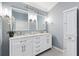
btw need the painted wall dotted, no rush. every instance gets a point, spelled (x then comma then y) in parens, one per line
(0, 8)
(56, 18)
(0, 34)
(0, 26)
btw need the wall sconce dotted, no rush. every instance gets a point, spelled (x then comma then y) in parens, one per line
(48, 20)
(5, 11)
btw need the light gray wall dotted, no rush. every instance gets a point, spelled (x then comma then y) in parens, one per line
(0, 8)
(0, 26)
(56, 17)
(0, 34)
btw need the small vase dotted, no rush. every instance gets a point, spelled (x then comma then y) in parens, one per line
(11, 34)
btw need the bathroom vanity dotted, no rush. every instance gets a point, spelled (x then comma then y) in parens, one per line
(29, 45)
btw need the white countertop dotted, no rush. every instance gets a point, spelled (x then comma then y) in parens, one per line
(29, 35)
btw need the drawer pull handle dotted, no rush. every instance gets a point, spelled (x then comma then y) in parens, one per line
(23, 48)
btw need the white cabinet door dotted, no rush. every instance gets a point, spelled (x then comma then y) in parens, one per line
(24, 46)
(70, 32)
(15, 48)
(47, 41)
(18, 47)
(28, 47)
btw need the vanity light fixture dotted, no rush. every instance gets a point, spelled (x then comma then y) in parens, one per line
(47, 19)
(5, 11)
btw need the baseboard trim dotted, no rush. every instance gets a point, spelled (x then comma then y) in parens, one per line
(61, 50)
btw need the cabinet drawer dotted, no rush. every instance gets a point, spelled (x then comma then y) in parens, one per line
(37, 42)
(36, 39)
(47, 35)
(37, 47)
(18, 41)
(37, 51)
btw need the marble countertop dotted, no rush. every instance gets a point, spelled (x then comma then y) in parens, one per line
(28, 35)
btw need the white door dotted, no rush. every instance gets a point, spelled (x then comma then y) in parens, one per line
(70, 32)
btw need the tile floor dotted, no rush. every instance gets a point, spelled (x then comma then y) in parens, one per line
(51, 52)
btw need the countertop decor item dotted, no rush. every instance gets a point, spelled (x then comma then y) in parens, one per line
(11, 25)
(11, 33)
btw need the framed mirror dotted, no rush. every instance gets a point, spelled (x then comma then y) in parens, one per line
(32, 22)
(21, 19)
(40, 20)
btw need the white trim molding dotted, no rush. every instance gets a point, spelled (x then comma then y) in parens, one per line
(59, 49)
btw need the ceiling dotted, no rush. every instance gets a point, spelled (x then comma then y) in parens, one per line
(45, 6)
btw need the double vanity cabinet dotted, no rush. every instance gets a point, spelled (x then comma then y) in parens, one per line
(29, 45)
